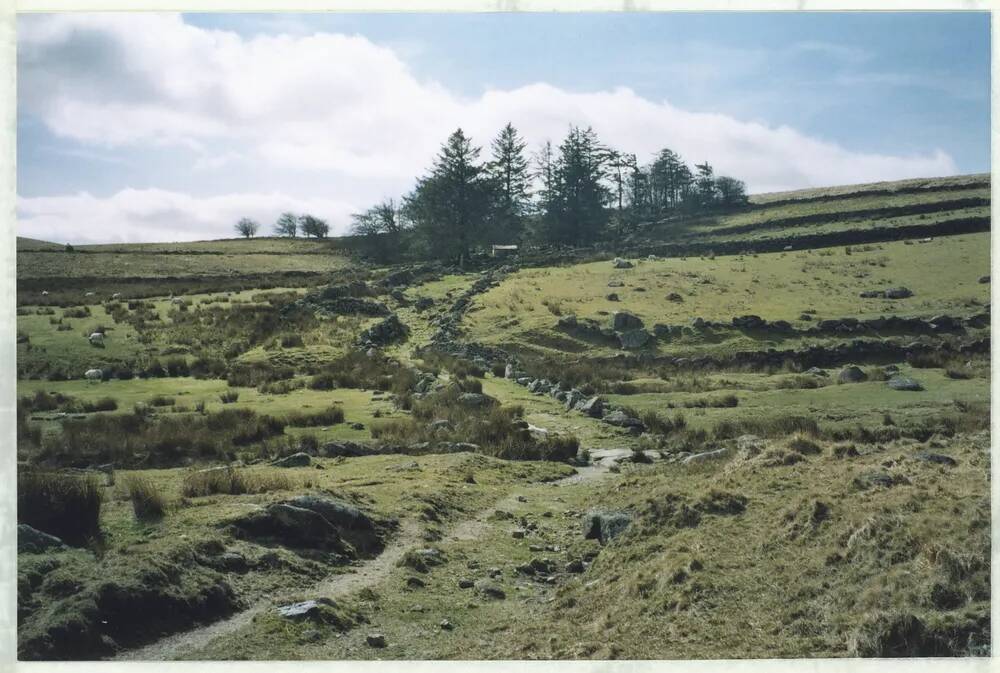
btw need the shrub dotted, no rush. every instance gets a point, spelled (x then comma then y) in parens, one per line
(229, 396)
(177, 366)
(291, 341)
(802, 444)
(775, 426)
(161, 401)
(330, 416)
(77, 312)
(67, 506)
(233, 481)
(148, 503)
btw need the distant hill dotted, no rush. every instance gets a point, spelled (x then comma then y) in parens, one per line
(31, 244)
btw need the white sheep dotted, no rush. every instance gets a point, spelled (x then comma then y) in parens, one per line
(93, 375)
(96, 339)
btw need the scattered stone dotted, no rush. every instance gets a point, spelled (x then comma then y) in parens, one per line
(34, 541)
(604, 526)
(749, 322)
(620, 263)
(299, 610)
(592, 407)
(984, 279)
(490, 590)
(904, 383)
(612, 296)
(674, 297)
(898, 293)
(575, 566)
(413, 582)
(357, 426)
(446, 625)
(465, 583)
(623, 320)
(475, 400)
(702, 457)
(938, 458)
(615, 283)
(375, 640)
(634, 339)
(622, 420)
(518, 533)
(851, 374)
(299, 459)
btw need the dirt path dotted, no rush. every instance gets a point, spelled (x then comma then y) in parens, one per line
(367, 574)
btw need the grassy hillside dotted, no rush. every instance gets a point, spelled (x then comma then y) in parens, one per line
(808, 481)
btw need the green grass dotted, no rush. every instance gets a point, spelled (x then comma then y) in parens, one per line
(943, 276)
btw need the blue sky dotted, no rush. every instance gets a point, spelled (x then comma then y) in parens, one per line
(169, 126)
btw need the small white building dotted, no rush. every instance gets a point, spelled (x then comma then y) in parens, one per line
(503, 250)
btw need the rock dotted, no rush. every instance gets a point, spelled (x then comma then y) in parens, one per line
(623, 320)
(231, 562)
(702, 457)
(749, 445)
(898, 293)
(605, 526)
(340, 514)
(622, 420)
(295, 460)
(575, 566)
(567, 322)
(33, 541)
(357, 426)
(592, 407)
(984, 279)
(344, 449)
(518, 533)
(805, 317)
(620, 263)
(634, 339)
(748, 322)
(490, 590)
(441, 424)
(904, 383)
(674, 297)
(938, 458)
(615, 283)
(475, 400)
(299, 610)
(612, 297)
(294, 526)
(465, 583)
(413, 582)
(882, 479)
(375, 640)
(446, 625)
(851, 374)
(573, 398)
(385, 332)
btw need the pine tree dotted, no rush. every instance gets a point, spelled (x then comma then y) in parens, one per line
(510, 178)
(450, 206)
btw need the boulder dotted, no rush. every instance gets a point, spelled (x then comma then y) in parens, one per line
(573, 398)
(623, 320)
(299, 459)
(748, 322)
(33, 541)
(705, 456)
(605, 526)
(376, 640)
(851, 374)
(612, 296)
(898, 293)
(984, 279)
(385, 332)
(620, 263)
(936, 458)
(622, 420)
(340, 514)
(592, 407)
(294, 526)
(674, 297)
(475, 400)
(634, 339)
(615, 283)
(904, 383)
(490, 590)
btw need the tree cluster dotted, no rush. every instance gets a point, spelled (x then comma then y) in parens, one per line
(578, 193)
(289, 225)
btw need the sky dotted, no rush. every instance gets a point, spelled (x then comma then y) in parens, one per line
(170, 127)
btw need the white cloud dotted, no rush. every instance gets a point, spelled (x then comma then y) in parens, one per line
(135, 215)
(342, 106)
